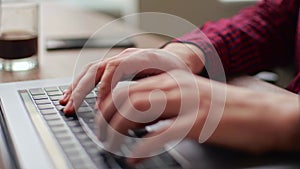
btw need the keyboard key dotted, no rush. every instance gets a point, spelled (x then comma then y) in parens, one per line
(91, 101)
(63, 136)
(55, 123)
(54, 93)
(37, 91)
(87, 143)
(45, 106)
(73, 123)
(110, 161)
(86, 116)
(50, 89)
(91, 95)
(81, 136)
(79, 164)
(76, 159)
(69, 117)
(100, 162)
(77, 129)
(55, 98)
(48, 111)
(56, 103)
(92, 127)
(42, 101)
(84, 104)
(84, 109)
(39, 97)
(60, 107)
(59, 129)
(49, 117)
(63, 88)
(92, 150)
(71, 151)
(67, 144)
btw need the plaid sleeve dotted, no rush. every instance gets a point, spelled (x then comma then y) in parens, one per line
(295, 85)
(257, 38)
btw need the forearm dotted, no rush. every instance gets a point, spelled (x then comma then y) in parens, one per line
(191, 55)
(259, 122)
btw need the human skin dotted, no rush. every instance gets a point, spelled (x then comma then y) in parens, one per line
(272, 120)
(253, 125)
(136, 61)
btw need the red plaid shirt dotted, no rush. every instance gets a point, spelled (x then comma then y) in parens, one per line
(258, 38)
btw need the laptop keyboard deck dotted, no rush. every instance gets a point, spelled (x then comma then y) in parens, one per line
(80, 149)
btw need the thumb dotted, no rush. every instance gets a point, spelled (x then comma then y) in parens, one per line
(153, 143)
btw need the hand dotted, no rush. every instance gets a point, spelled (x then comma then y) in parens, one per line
(172, 95)
(129, 63)
(246, 123)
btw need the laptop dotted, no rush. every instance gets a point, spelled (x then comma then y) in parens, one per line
(35, 134)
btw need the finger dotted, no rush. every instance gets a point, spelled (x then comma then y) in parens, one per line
(112, 64)
(160, 81)
(127, 66)
(66, 96)
(83, 87)
(119, 123)
(116, 137)
(67, 93)
(143, 98)
(117, 102)
(106, 80)
(140, 110)
(107, 110)
(78, 79)
(175, 132)
(145, 147)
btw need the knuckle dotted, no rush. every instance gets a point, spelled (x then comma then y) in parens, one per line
(87, 66)
(139, 103)
(93, 67)
(129, 50)
(112, 64)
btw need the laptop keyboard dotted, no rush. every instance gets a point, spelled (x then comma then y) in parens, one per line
(80, 149)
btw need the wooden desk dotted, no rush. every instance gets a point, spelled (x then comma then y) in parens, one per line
(61, 20)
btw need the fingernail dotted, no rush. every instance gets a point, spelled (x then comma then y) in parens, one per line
(68, 106)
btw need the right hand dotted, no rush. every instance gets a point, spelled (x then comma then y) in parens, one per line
(131, 62)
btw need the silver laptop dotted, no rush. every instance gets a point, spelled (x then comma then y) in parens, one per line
(35, 134)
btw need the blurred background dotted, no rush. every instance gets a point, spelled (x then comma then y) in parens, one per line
(195, 11)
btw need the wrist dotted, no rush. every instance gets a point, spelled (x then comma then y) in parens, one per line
(288, 117)
(190, 54)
